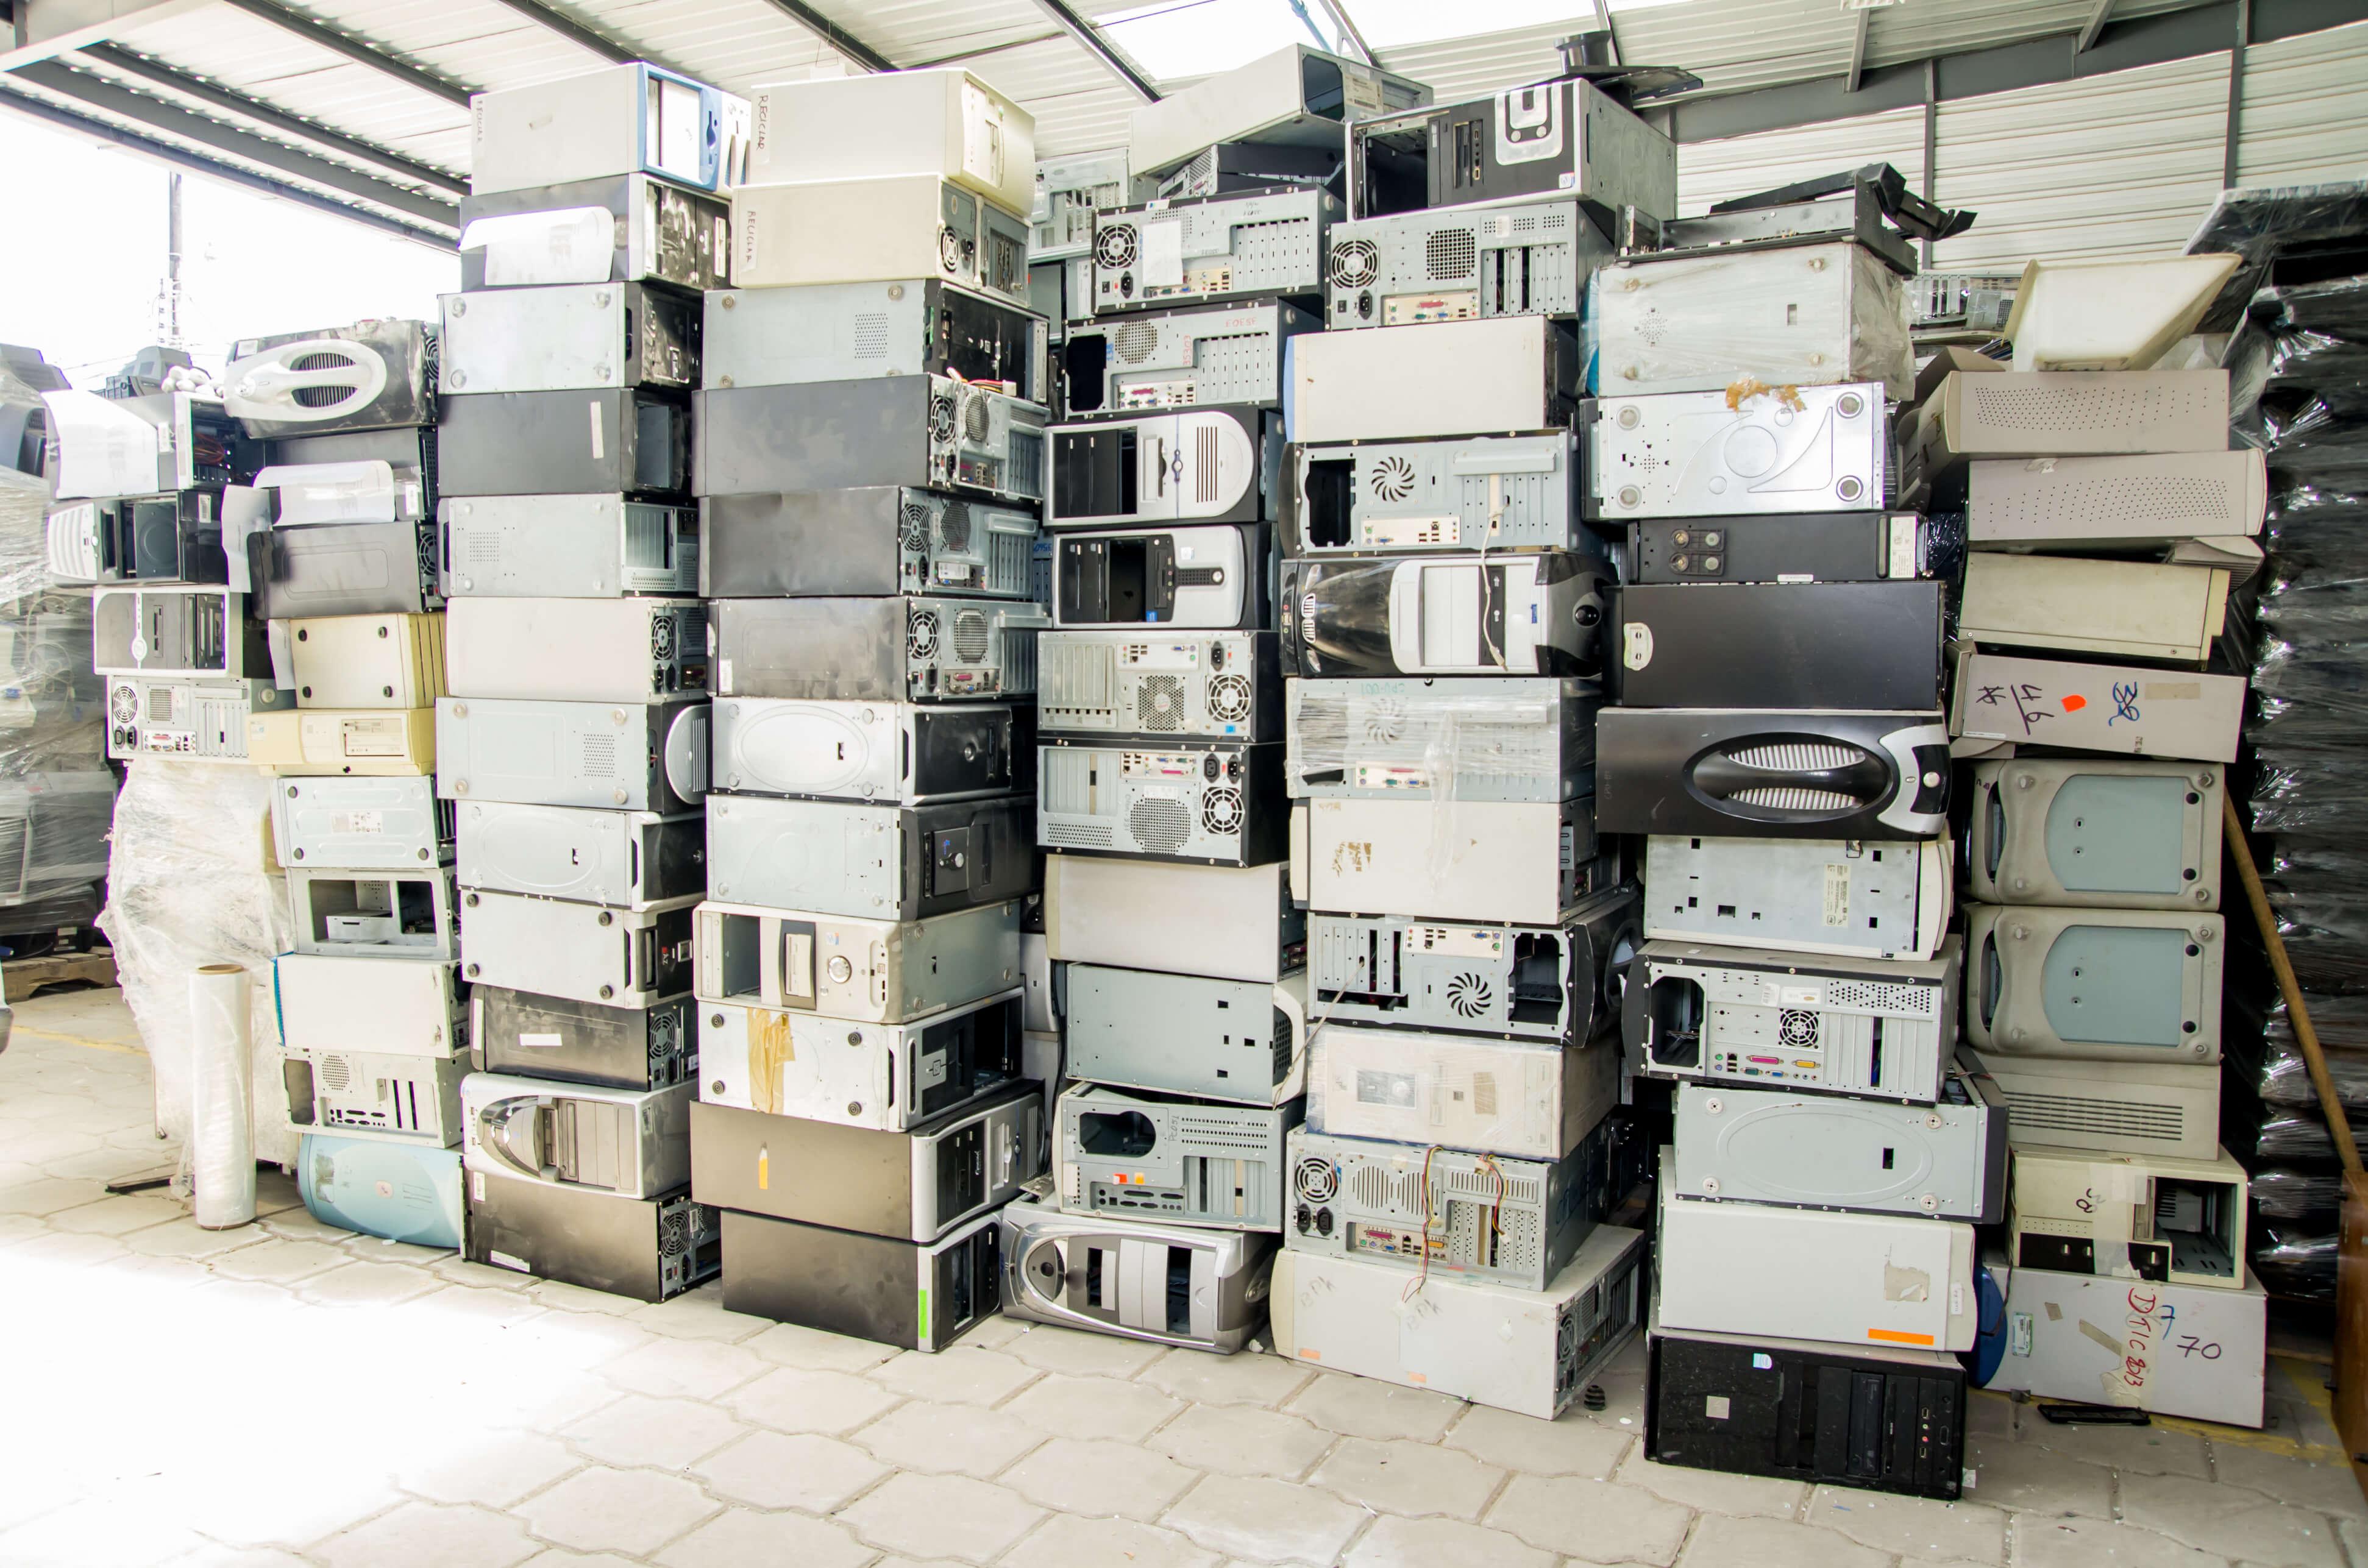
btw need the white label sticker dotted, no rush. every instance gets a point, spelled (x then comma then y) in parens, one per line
(357, 822)
(1163, 254)
(541, 1041)
(1837, 881)
(599, 439)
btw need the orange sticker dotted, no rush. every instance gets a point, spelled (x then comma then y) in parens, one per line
(2073, 703)
(1898, 1336)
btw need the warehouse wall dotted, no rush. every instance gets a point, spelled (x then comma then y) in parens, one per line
(2114, 165)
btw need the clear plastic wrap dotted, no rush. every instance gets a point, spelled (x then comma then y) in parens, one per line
(2278, 1194)
(57, 793)
(1788, 315)
(1480, 738)
(2264, 224)
(195, 885)
(2296, 1259)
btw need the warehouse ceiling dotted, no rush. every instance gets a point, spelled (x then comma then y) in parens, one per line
(361, 106)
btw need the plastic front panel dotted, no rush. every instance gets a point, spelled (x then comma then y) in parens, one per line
(2139, 834)
(1140, 1279)
(2101, 985)
(395, 1191)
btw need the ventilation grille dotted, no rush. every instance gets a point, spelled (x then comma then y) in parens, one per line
(2170, 497)
(1471, 994)
(1230, 696)
(1384, 721)
(1221, 1132)
(1114, 246)
(598, 759)
(1026, 455)
(1355, 263)
(1158, 825)
(954, 527)
(160, 705)
(1798, 757)
(1314, 1179)
(1798, 1029)
(974, 635)
(1393, 478)
(1008, 561)
(1819, 802)
(1221, 812)
(1062, 835)
(916, 531)
(978, 419)
(2106, 402)
(1451, 254)
(871, 337)
(2069, 1113)
(1873, 996)
(1135, 341)
(921, 634)
(1159, 704)
(336, 1073)
(15, 833)
(1207, 466)
(649, 539)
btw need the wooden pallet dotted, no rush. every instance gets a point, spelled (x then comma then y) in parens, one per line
(22, 977)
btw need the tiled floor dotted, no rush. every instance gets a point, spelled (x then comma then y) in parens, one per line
(286, 1394)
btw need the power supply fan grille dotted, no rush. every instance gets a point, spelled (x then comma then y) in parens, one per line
(1452, 253)
(1470, 994)
(953, 528)
(1221, 811)
(1159, 703)
(1355, 263)
(674, 1233)
(915, 531)
(921, 634)
(1229, 699)
(1161, 826)
(662, 643)
(1134, 341)
(975, 417)
(1393, 478)
(1796, 1029)
(1114, 246)
(950, 250)
(942, 416)
(124, 704)
(973, 632)
(1314, 1179)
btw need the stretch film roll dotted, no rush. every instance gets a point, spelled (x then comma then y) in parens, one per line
(221, 1089)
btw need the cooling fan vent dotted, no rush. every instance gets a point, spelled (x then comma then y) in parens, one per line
(1134, 341)
(1314, 1179)
(1114, 246)
(1796, 1029)
(1229, 699)
(953, 528)
(1221, 811)
(975, 417)
(1159, 703)
(1452, 253)
(1384, 721)
(1160, 827)
(973, 632)
(317, 395)
(950, 250)
(1355, 263)
(921, 634)
(124, 704)
(1393, 478)
(941, 417)
(674, 1233)
(336, 1075)
(1470, 994)
(661, 638)
(916, 531)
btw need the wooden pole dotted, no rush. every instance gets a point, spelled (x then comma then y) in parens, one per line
(2339, 1126)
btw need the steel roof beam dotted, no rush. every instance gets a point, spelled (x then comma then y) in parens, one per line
(83, 125)
(1087, 34)
(356, 50)
(111, 98)
(1858, 49)
(159, 74)
(553, 21)
(2095, 25)
(831, 33)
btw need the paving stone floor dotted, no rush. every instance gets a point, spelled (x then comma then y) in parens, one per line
(288, 1395)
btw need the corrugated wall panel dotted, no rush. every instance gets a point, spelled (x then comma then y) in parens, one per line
(2306, 109)
(2118, 165)
(1738, 165)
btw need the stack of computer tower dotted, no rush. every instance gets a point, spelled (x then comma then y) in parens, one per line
(1443, 643)
(2107, 519)
(1779, 743)
(1177, 952)
(869, 469)
(571, 750)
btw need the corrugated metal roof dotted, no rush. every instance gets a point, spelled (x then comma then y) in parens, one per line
(1079, 105)
(2305, 117)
